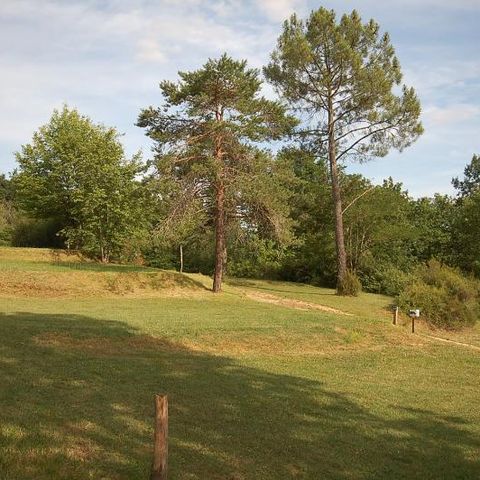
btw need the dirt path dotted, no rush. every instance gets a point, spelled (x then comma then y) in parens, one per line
(454, 342)
(291, 303)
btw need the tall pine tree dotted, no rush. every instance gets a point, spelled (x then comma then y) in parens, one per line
(206, 136)
(343, 77)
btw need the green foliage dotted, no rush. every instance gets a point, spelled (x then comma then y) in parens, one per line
(446, 298)
(8, 217)
(36, 232)
(160, 255)
(466, 234)
(433, 230)
(377, 228)
(465, 249)
(75, 172)
(8, 213)
(311, 257)
(343, 76)
(350, 285)
(6, 189)
(256, 257)
(385, 278)
(471, 178)
(349, 69)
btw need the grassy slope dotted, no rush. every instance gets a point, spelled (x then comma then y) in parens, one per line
(257, 391)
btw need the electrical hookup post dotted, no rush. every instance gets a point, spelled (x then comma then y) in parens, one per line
(413, 314)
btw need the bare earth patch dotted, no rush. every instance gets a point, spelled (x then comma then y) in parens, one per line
(454, 342)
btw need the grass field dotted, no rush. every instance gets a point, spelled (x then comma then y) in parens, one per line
(262, 382)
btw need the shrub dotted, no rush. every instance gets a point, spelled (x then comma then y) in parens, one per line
(385, 278)
(446, 298)
(39, 233)
(350, 285)
(255, 258)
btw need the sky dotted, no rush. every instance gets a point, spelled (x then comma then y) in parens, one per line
(107, 57)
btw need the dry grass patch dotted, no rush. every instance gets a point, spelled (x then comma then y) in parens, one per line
(290, 343)
(291, 303)
(45, 255)
(74, 284)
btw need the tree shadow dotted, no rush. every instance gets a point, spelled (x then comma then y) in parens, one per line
(76, 402)
(273, 286)
(158, 278)
(99, 267)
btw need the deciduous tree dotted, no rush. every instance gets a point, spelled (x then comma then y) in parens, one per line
(75, 171)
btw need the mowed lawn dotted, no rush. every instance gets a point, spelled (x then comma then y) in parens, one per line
(258, 388)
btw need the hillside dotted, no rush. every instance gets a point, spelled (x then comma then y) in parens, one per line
(269, 380)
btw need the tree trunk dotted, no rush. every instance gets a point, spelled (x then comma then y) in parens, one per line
(219, 237)
(181, 258)
(103, 255)
(337, 203)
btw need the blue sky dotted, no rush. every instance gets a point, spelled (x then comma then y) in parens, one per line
(106, 57)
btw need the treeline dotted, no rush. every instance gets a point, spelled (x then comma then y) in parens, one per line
(112, 208)
(216, 189)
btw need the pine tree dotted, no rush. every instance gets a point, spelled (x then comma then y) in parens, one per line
(206, 135)
(342, 77)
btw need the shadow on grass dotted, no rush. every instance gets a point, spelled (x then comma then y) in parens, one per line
(62, 266)
(76, 402)
(100, 267)
(160, 278)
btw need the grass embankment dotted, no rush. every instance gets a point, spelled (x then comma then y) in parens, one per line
(262, 384)
(49, 273)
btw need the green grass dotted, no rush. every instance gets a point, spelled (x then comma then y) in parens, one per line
(45, 260)
(256, 391)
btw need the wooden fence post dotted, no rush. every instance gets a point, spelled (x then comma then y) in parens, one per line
(160, 449)
(395, 315)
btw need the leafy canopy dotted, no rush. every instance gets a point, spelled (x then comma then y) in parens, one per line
(75, 171)
(471, 178)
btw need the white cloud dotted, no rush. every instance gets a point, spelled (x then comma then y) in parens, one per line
(464, 4)
(280, 10)
(106, 57)
(450, 114)
(148, 50)
(431, 77)
(108, 61)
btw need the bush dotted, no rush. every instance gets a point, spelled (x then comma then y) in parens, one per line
(387, 279)
(350, 286)
(255, 258)
(8, 217)
(39, 233)
(446, 298)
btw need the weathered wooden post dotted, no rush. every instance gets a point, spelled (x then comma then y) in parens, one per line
(160, 449)
(181, 258)
(395, 315)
